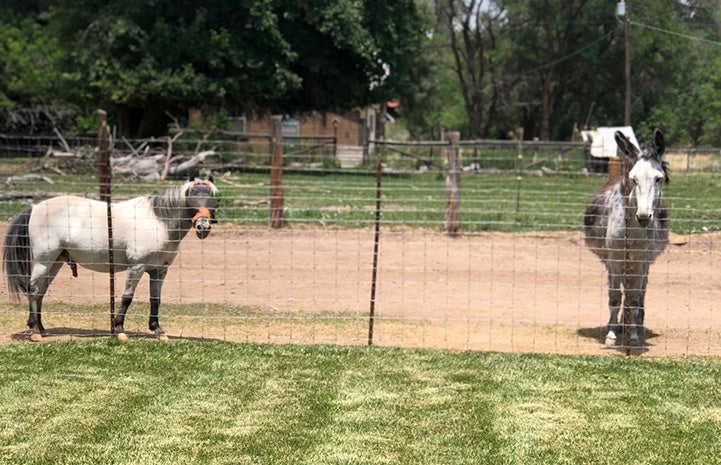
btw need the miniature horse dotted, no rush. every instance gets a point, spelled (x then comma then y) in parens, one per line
(146, 237)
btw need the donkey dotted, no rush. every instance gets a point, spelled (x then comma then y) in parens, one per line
(626, 226)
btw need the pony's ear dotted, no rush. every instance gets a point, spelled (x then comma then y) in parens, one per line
(659, 144)
(625, 145)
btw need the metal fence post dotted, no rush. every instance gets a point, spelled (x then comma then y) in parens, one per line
(104, 180)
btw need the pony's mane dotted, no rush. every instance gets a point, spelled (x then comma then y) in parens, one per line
(165, 203)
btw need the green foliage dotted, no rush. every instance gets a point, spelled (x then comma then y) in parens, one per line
(144, 402)
(548, 67)
(284, 55)
(30, 77)
(27, 65)
(560, 65)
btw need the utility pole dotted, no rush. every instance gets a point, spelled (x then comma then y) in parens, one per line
(623, 10)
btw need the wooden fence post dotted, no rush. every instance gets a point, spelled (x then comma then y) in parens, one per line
(453, 184)
(276, 172)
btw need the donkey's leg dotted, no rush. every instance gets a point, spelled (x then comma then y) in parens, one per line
(135, 272)
(633, 303)
(40, 279)
(614, 305)
(156, 284)
(638, 306)
(642, 310)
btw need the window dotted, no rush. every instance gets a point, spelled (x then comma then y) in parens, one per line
(290, 125)
(238, 124)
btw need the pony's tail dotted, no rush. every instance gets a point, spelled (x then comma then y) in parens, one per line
(17, 257)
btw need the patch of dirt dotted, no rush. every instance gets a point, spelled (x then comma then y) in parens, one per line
(532, 292)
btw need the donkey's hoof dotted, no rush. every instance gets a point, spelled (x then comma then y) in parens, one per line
(160, 335)
(36, 337)
(611, 339)
(122, 336)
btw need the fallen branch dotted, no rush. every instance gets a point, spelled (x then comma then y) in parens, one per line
(18, 196)
(21, 178)
(169, 155)
(62, 139)
(192, 162)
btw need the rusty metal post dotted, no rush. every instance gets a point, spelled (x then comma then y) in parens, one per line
(104, 181)
(276, 172)
(376, 246)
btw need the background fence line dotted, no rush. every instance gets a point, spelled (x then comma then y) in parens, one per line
(517, 277)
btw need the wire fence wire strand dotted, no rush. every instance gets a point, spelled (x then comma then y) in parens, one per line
(518, 276)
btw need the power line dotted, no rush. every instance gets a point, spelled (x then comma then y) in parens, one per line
(567, 57)
(678, 34)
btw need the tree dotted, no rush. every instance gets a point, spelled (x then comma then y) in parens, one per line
(568, 62)
(142, 59)
(552, 66)
(471, 27)
(683, 61)
(28, 75)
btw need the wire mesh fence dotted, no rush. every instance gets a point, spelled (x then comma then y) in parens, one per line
(517, 277)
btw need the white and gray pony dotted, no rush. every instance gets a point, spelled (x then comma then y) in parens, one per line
(67, 229)
(628, 243)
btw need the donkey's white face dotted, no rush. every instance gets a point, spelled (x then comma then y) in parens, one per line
(646, 178)
(647, 175)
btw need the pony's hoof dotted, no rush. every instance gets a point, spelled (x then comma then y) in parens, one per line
(122, 336)
(36, 337)
(160, 335)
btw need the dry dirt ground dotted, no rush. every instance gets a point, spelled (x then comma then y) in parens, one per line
(534, 292)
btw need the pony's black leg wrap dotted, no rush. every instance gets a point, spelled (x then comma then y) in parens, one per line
(154, 323)
(35, 316)
(120, 316)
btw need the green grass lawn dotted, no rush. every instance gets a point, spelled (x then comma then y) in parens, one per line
(497, 202)
(145, 402)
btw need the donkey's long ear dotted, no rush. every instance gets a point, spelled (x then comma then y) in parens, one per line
(659, 144)
(625, 145)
